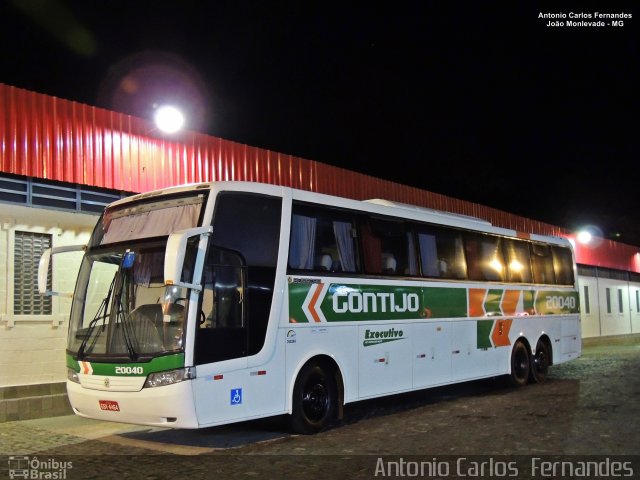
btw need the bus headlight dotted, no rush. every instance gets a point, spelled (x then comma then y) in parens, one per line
(169, 377)
(72, 375)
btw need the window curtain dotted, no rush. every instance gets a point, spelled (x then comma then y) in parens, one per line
(303, 242)
(371, 249)
(412, 258)
(344, 241)
(429, 255)
(148, 266)
(154, 223)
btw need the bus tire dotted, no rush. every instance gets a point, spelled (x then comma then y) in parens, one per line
(540, 362)
(520, 365)
(315, 398)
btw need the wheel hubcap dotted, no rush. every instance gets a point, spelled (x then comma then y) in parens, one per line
(521, 365)
(541, 361)
(315, 401)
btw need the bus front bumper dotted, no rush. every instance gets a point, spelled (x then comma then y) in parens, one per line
(170, 406)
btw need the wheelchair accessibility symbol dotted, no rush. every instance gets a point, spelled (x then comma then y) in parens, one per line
(236, 396)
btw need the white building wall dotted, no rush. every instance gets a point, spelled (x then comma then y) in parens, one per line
(622, 317)
(589, 306)
(634, 302)
(616, 319)
(32, 348)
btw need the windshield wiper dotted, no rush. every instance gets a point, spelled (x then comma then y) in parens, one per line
(85, 339)
(127, 334)
(101, 314)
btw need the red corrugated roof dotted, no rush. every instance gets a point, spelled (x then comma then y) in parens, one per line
(55, 139)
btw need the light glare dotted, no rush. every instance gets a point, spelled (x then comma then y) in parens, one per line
(515, 266)
(584, 237)
(496, 265)
(169, 119)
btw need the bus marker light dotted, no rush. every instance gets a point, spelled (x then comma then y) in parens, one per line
(218, 377)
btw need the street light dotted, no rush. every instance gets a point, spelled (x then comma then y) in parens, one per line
(584, 237)
(589, 236)
(168, 119)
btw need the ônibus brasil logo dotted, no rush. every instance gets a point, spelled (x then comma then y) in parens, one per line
(375, 337)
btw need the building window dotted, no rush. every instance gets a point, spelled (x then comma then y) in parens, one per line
(28, 248)
(607, 292)
(620, 304)
(587, 309)
(637, 300)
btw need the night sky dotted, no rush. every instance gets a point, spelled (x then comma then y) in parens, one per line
(476, 100)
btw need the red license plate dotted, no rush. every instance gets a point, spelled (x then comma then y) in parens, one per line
(109, 405)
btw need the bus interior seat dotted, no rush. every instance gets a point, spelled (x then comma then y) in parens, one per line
(324, 262)
(150, 325)
(144, 321)
(389, 263)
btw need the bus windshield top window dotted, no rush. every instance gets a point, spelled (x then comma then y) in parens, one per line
(148, 220)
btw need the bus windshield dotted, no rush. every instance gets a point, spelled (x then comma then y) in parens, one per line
(122, 307)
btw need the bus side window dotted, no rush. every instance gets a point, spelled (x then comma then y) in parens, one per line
(222, 332)
(518, 261)
(562, 265)
(542, 264)
(222, 297)
(388, 241)
(442, 253)
(322, 240)
(484, 257)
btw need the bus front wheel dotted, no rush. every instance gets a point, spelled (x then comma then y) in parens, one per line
(315, 398)
(520, 365)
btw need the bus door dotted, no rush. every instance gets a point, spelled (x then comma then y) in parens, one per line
(236, 375)
(221, 340)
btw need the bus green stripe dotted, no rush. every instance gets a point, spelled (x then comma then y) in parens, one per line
(492, 303)
(342, 302)
(157, 364)
(484, 333)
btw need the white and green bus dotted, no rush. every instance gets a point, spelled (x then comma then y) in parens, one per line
(214, 303)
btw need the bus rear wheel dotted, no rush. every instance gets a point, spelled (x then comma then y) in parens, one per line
(314, 399)
(520, 365)
(540, 362)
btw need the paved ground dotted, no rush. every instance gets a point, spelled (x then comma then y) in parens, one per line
(587, 407)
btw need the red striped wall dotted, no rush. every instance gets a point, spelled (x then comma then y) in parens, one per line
(55, 139)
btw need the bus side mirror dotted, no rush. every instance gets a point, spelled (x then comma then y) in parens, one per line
(43, 268)
(174, 256)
